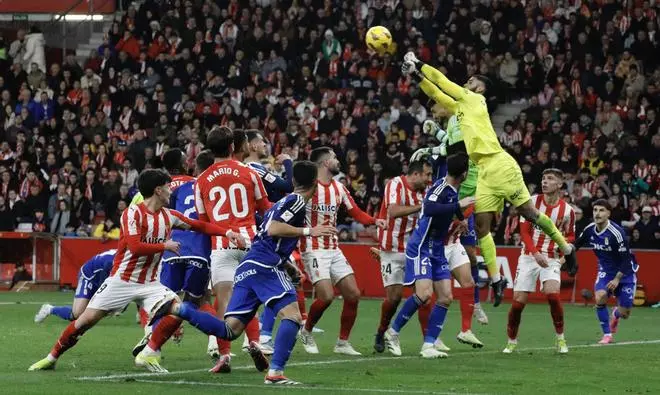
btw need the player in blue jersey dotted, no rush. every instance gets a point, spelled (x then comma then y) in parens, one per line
(427, 268)
(90, 277)
(260, 278)
(617, 268)
(276, 186)
(186, 273)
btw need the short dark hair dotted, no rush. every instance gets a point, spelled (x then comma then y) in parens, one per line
(252, 134)
(239, 139)
(554, 171)
(318, 153)
(304, 174)
(150, 179)
(602, 203)
(173, 161)
(416, 166)
(457, 164)
(204, 160)
(488, 84)
(220, 141)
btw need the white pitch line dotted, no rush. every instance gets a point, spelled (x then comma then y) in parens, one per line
(299, 387)
(357, 360)
(18, 303)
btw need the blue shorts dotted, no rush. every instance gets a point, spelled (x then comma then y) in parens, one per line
(470, 238)
(255, 285)
(427, 267)
(624, 293)
(87, 285)
(190, 275)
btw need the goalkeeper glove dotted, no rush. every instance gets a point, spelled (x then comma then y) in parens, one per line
(420, 154)
(432, 128)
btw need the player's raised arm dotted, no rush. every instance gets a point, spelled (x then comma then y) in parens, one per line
(438, 96)
(274, 181)
(436, 77)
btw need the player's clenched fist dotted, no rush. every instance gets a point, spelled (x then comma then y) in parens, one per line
(172, 246)
(381, 223)
(466, 201)
(236, 238)
(323, 230)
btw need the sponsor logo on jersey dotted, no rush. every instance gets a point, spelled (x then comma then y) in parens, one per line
(153, 240)
(324, 208)
(244, 275)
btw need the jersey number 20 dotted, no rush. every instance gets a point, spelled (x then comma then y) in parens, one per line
(236, 193)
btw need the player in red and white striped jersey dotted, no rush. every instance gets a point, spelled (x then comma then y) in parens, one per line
(540, 259)
(401, 204)
(228, 194)
(324, 262)
(145, 233)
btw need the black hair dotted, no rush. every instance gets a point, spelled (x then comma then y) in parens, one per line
(173, 161)
(488, 84)
(457, 164)
(252, 134)
(554, 171)
(602, 203)
(220, 141)
(304, 174)
(204, 160)
(151, 179)
(416, 166)
(239, 139)
(318, 153)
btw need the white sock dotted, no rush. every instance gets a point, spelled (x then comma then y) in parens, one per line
(394, 332)
(272, 372)
(51, 358)
(496, 278)
(568, 249)
(427, 345)
(560, 336)
(149, 351)
(264, 338)
(514, 341)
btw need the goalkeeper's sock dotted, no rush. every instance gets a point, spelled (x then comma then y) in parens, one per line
(604, 318)
(64, 312)
(407, 310)
(436, 322)
(515, 313)
(489, 252)
(549, 228)
(557, 312)
(475, 276)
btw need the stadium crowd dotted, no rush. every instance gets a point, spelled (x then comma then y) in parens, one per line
(75, 136)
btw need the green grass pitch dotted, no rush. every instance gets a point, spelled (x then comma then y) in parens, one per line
(101, 363)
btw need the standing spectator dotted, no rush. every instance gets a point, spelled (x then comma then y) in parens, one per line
(17, 47)
(60, 221)
(647, 226)
(7, 216)
(35, 49)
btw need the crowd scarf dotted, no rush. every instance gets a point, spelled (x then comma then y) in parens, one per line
(333, 68)
(89, 192)
(641, 172)
(101, 160)
(25, 187)
(84, 162)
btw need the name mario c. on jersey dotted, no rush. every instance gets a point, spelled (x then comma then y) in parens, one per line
(221, 171)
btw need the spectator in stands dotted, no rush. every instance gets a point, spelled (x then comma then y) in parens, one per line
(107, 230)
(17, 47)
(7, 217)
(20, 274)
(61, 218)
(647, 227)
(35, 51)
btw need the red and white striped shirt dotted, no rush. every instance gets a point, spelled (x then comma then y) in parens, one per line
(151, 228)
(228, 194)
(534, 240)
(398, 192)
(322, 210)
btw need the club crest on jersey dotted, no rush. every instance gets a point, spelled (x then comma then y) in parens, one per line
(607, 241)
(324, 208)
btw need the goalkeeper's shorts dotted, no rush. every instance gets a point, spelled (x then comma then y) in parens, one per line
(500, 179)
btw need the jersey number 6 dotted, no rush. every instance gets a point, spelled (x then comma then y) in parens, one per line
(236, 193)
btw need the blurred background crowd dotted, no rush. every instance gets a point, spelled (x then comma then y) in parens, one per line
(586, 74)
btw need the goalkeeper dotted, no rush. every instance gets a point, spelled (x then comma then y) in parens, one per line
(499, 177)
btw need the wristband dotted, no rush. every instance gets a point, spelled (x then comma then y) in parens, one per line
(306, 231)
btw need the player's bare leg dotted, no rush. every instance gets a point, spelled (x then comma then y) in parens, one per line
(483, 222)
(533, 215)
(603, 316)
(324, 297)
(463, 275)
(69, 338)
(479, 312)
(350, 292)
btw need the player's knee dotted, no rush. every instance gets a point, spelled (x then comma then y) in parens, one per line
(468, 282)
(295, 317)
(424, 294)
(444, 300)
(352, 295)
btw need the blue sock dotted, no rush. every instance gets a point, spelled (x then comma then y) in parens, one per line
(285, 340)
(436, 321)
(205, 322)
(267, 321)
(475, 277)
(409, 308)
(604, 318)
(64, 312)
(616, 313)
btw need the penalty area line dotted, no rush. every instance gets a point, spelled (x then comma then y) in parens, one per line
(359, 360)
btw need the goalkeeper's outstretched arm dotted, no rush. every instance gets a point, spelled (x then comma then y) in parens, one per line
(436, 77)
(438, 96)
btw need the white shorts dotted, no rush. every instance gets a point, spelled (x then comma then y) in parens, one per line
(115, 294)
(392, 267)
(224, 264)
(528, 272)
(326, 265)
(456, 255)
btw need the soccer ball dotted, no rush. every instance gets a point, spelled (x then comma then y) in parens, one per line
(379, 39)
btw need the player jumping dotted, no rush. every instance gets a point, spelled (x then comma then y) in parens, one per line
(90, 277)
(260, 279)
(324, 262)
(145, 235)
(500, 177)
(539, 259)
(401, 204)
(426, 265)
(617, 268)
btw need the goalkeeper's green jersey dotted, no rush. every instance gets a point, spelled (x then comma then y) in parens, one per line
(137, 199)
(455, 136)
